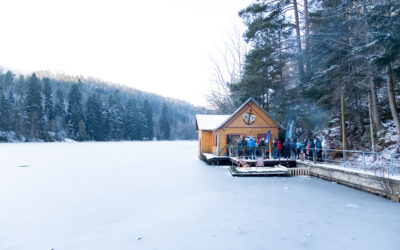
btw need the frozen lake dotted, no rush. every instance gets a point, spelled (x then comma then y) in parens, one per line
(106, 195)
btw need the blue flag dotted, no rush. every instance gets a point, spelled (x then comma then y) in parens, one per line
(267, 137)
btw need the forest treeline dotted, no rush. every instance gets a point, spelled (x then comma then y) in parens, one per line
(45, 107)
(305, 57)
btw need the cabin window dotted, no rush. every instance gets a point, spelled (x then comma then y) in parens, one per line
(234, 138)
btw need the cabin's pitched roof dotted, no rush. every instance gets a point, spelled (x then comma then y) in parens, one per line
(213, 122)
(244, 104)
(209, 122)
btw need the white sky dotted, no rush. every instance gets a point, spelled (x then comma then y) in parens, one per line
(158, 46)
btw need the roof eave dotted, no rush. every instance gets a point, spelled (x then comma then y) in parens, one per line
(245, 103)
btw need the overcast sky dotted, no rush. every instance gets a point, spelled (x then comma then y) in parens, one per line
(161, 46)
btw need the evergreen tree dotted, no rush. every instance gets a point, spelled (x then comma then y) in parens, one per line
(75, 112)
(59, 106)
(34, 109)
(133, 118)
(4, 111)
(148, 120)
(94, 117)
(8, 79)
(116, 116)
(165, 128)
(48, 100)
(265, 76)
(81, 135)
(9, 84)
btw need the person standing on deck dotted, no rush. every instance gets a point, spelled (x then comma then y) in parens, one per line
(244, 146)
(279, 148)
(239, 148)
(293, 149)
(311, 150)
(318, 148)
(252, 145)
(305, 152)
(274, 148)
(286, 148)
(262, 145)
(298, 148)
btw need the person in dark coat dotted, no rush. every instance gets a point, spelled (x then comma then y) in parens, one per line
(275, 148)
(286, 148)
(311, 150)
(239, 148)
(244, 146)
(318, 149)
(293, 149)
(304, 147)
(261, 146)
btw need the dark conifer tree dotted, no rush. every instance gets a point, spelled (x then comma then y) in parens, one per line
(133, 118)
(81, 135)
(34, 109)
(75, 112)
(4, 111)
(30, 109)
(94, 121)
(148, 120)
(165, 124)
(48, 100)
(116, 116)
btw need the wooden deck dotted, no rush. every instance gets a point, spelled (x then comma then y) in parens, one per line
(272, 167)
(259, 171)
(228, 160)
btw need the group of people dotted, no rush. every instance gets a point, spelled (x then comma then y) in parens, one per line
(310, 148)
(289, 149)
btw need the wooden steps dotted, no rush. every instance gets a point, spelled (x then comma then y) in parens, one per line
(297, 170)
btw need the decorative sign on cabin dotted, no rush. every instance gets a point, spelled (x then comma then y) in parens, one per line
(216, 132)
(249, 117)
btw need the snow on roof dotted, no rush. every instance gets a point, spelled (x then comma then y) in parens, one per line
(210, 122)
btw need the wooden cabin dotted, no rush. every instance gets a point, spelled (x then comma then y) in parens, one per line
(217, 131)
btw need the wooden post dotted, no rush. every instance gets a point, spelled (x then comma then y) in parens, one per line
(343, 128)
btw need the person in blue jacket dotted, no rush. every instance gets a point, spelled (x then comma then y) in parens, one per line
(252, 145)
(298, 148)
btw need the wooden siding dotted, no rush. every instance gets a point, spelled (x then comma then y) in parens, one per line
(205, 142)
(236, 125)
(262, 120)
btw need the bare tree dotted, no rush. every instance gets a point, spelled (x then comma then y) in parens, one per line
(298, 39)
(307, 31)
(227, 67)
(392, 101)
(371, 123)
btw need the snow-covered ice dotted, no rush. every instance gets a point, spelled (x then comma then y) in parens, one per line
(108, 195)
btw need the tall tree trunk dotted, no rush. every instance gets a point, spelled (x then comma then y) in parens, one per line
(299, 49)
(307, 29)
(371, 123)
(374, 102)
(372, 85)
(392, 101)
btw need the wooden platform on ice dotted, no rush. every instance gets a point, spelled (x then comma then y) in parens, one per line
(228, 160)
(259, 171)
